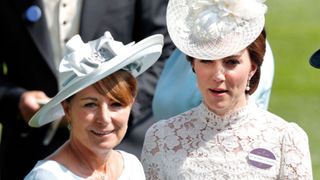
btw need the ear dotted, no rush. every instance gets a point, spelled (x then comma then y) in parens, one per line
(66, 108)
(133, 100)
(253, 70)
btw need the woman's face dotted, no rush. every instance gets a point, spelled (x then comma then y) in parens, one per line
(97, 122)
(223, 82)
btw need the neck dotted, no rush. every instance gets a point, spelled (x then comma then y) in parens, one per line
(90, 164)
(230, 108)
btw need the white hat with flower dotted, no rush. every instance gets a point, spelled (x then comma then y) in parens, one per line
(86, 63)
(214, 29)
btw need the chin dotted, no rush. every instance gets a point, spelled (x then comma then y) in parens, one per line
(109, 145)
(219, 109)
(214, 105)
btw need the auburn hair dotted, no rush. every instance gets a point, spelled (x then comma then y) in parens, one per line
(120, 87)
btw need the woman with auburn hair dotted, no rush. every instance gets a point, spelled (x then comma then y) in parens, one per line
(98, 89)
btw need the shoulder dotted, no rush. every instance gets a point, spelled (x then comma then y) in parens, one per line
(47, 169)
(288, 129)
(266, 117)
(132, 167)
(129, 158)
(294, 134)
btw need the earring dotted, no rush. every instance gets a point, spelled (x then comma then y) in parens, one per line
(248, 85)
(69, 125)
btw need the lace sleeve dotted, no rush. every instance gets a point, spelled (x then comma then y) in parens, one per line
(296, 161)
(151, 155)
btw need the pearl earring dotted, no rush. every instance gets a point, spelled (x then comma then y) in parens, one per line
(248, 85)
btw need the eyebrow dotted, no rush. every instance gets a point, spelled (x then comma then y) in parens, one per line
(233, 56)
(89, 98)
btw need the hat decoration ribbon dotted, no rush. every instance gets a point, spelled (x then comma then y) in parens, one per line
(215, 18)
(83, 58)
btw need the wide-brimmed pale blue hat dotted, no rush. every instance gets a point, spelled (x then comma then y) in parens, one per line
(86, 63)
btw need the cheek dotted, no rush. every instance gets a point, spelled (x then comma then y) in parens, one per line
(83, 114)
(203, 78)
(202, 75)
(121, 117)
(82, 117)
(201, 85)
(236, 79)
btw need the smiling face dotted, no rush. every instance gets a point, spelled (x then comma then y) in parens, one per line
(97, 121)
(223, 82)
(99, 113)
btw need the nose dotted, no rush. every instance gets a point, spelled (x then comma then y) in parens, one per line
(218, 72)
(105, 114)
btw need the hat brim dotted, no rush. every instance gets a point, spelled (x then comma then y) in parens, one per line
(146, 52)
(315, 59)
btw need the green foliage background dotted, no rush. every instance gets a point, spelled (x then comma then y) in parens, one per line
(293, 30)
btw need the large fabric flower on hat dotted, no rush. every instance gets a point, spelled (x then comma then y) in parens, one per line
(213, 29)
(215, 18)
(83, 58)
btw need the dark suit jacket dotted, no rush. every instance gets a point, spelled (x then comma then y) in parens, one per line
(26, 63)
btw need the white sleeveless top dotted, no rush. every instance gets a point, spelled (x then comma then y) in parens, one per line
(52, 170)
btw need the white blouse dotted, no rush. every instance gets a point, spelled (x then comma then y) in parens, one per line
(250, 143)
(52, 170)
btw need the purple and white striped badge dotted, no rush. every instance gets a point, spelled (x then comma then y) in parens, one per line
(261, 158)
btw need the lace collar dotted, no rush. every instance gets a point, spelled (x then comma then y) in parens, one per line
(229, 120)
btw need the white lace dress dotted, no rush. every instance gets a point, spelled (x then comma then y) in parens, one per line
(248, 144)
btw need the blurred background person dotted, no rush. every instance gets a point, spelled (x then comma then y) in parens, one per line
(34, 34)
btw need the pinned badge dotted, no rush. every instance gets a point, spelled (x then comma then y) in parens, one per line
(261, 158)
(33, 13)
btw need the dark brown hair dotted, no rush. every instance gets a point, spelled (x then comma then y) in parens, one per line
(256, 51)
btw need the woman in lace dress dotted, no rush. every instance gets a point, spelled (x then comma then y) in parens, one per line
(98, 90)
(226, 136)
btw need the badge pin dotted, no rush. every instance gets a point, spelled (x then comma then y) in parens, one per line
(33, 13)
(261, 158)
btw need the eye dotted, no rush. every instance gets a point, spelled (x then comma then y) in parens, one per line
(116, 105)
(232, 62)
(205, 61)
(90, 105)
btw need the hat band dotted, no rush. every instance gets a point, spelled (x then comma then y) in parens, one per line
(69, 79)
